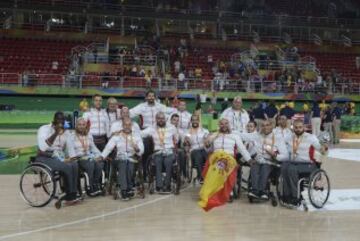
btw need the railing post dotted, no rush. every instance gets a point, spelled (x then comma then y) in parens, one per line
(19, 80)
(159, 83)
(80, 81)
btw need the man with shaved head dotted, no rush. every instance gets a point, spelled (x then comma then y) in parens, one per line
(81, 148)
(236, 115)
(227, 141)
(165, 138)
(117, 125)
(301, 146)
(267, 148)
(129, 148)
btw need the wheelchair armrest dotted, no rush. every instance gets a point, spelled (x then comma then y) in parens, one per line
(318, 164)
(32, 159)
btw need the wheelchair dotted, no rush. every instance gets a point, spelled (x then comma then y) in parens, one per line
(242, 183)
(191, 169)
(39, 185)
(175, 175)
(84, 184)
(272, 181)
(186, 175)
(314, 188)
(139, 186)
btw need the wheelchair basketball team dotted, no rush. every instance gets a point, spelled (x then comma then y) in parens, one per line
(168, 145)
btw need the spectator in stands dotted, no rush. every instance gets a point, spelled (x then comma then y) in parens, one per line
(213, 99)
(167, 79)
(148, 77)
(181, 78)
(198, 72)
(271, 113)
(191, 73)
(95, 53)
(105, 80)
(307, 115)
(224, 104)
(203, 97)
(142, 72)
(209, 59)
(336, 113)
(258, 114)
(84, 105)
(55, 65)
(327, 122)
(315, 118)
(25, 78)
(134, 72)
(214, 68)
(177, 66)
(120, 76)
(211, 110)
(288, 111)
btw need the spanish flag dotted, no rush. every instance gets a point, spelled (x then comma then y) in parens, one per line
(219, 179)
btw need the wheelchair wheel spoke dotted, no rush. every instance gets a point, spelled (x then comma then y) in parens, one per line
(36, 186)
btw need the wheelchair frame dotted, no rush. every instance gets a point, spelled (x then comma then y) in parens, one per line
(276, 197)
(55, 178)
(40, 169)
(138, 182)
(174, 175)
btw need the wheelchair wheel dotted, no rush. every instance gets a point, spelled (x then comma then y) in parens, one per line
(274, 202)
(37, 186)
(319, 188)
(279, 190)
(177, 179)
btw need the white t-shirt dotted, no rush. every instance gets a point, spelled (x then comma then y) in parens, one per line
(181, 77)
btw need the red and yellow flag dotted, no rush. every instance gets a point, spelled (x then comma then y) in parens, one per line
(220, 174)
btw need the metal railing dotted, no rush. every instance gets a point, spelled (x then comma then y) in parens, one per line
(253, 84)
(279, 19)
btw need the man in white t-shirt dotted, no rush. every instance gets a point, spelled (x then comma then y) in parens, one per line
(51, 142)
(302, 147)
(165, 137)
(236, 115)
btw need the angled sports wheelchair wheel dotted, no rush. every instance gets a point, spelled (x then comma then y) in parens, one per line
(37, 186)
(319, 188)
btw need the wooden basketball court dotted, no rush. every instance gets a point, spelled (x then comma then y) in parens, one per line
(160, 217)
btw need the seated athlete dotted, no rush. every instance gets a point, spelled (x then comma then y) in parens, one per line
(81, 148)
(51, 139)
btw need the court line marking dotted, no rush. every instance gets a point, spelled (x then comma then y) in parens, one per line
(8, 236)
(350, 140)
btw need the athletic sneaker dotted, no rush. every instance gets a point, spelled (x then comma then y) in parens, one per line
(166, 190)
(264, 196)
(124, 196)
(253, 194)
(130, 193)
